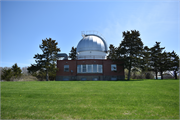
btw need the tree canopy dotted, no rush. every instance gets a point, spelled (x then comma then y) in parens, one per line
(73, 53)
(46, 61)
(156, 50)
(16, 70)
(174, 63)
(131, 49)
(13, 72)
(112, 53)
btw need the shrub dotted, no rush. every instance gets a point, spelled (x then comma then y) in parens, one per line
(149, 75)
(6, 74)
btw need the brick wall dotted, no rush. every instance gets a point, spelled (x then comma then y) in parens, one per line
(73, 66)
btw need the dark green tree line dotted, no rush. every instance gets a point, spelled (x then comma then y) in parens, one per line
(136, 57)
(8, 73)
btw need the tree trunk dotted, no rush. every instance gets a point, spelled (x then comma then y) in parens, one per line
(47, 77)
(156, 74)
(175, 74)
(129, 73)
(161, 75)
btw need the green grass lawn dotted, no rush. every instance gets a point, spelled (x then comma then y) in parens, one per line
(143, 99)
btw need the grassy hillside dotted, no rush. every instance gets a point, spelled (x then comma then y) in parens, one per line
(144, 99)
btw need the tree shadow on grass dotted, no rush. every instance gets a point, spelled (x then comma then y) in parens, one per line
(161, 79)
(134, 80)
(131, 80)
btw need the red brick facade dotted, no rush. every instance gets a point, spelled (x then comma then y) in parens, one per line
(72, 74)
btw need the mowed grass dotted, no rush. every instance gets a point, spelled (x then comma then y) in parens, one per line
(136, 99)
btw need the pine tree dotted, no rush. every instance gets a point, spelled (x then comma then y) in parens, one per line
(163, 63)
(155, 52)
(131, 50)
(146, 59)
(112, 53)
(73, 54)
(174, 63)
(16, 70)
(45, 62)
(6, 74)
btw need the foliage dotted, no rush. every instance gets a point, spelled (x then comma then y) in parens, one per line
(164, 62)
(45, 63)
(155, 52)
(137, 74)
(112, 53)
(6, 74)
(11, 73)
(174, 63)
(130, 50)
(149, 75)
(73, 54)
(134, 99)
(145, 66)
(24, 71)
(16, 71)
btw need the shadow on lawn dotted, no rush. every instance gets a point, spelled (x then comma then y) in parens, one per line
(134, 80)
(131, 80)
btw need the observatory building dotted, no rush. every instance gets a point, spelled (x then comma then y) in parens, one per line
(91, 62)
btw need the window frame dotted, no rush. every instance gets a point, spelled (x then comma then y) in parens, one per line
(66, 68)
(113, 69)
(90, 68)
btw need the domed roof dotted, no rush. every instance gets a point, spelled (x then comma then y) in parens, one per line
(92, 43)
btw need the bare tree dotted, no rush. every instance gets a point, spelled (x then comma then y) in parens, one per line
(24, 70)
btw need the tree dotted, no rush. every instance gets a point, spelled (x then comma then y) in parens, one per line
(163, 62)
(6, 74)
(154, 60)
(145, 66)
(112, 52)
(24, 70)
(45, 62)
(130, 50)
(174, 63)
(73, 54)
(16, 70)
(146, 59)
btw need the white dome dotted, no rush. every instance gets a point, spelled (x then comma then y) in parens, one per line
(91, 46)
(92, 43)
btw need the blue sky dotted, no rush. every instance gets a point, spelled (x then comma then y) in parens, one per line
(25, 23)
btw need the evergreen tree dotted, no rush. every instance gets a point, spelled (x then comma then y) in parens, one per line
(145, 65)
(73, 54)
(16, 70)
(174, 63)
(131, 50)
(6, 74)
(45, 62)
(154, 60)
(112, 53)
(163, 63)
(146, 59)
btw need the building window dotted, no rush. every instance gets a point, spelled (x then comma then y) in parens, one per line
(83, 68)
(113, 67)
(78, 68)
(66, 68)
(95, 68)
(99, 68)
(90, 68)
